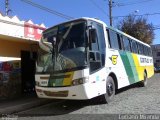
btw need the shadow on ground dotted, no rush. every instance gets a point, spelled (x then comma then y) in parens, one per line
(63, 107)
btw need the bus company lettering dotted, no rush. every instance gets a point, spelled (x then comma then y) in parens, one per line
(145, 60)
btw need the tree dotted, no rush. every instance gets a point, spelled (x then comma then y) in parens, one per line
(138, 28)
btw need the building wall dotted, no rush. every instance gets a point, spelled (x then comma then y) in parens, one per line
(156, 54)
(10, 48)
(15, 36)
(10, 71)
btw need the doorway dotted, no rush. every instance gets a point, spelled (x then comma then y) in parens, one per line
(28, 69)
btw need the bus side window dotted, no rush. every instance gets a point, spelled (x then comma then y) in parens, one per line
(131, 47)
(136, 43)
(145, 50)
(134, 46)
(149, 51)
(94, 42)
(142, 46)
(102, 43)
(114, 40)
(126, 42)
(141, 49)
(109, 43)
(120, 39)
(97, 47)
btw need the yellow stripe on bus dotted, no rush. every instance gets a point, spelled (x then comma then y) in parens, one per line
(140, 69)
(68, 80)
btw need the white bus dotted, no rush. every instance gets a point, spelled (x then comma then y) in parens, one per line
(84, 58)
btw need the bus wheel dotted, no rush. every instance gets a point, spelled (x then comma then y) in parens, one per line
(143, 83)
(110, 90)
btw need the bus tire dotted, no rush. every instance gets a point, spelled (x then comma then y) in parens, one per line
(110, 90)
(143, 83)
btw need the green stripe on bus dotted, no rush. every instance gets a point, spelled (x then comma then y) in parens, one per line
(128, 62)
(55, 81)
(133, 67)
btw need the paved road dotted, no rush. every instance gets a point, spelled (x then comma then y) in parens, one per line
(131, 100)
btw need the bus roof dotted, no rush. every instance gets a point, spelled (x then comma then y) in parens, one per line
(101, 22)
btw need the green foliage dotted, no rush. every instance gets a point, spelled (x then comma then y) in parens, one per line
(138, 28)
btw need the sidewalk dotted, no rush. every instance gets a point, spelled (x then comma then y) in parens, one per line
(20, 104)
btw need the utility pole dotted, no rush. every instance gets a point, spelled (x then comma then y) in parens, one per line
(110, 12)
(7, 10)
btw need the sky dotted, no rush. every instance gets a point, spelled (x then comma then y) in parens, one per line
(85, 8)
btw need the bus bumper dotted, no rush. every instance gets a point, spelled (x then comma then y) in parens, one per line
(78, 92)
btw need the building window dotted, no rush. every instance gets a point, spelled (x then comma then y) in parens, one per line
(158, 53)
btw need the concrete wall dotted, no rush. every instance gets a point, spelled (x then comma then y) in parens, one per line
(9, 48)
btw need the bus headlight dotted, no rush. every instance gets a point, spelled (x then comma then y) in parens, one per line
(80, 81)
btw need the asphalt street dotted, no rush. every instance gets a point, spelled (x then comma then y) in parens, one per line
(133, 100)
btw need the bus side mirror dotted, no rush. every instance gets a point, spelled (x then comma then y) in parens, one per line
(92, 35)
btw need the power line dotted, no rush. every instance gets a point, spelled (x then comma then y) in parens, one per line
(156, 28)
(96, 5)
(147, 14)
(47, 9)
(131, 3)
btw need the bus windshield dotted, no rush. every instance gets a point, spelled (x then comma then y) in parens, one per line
(67, 48)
